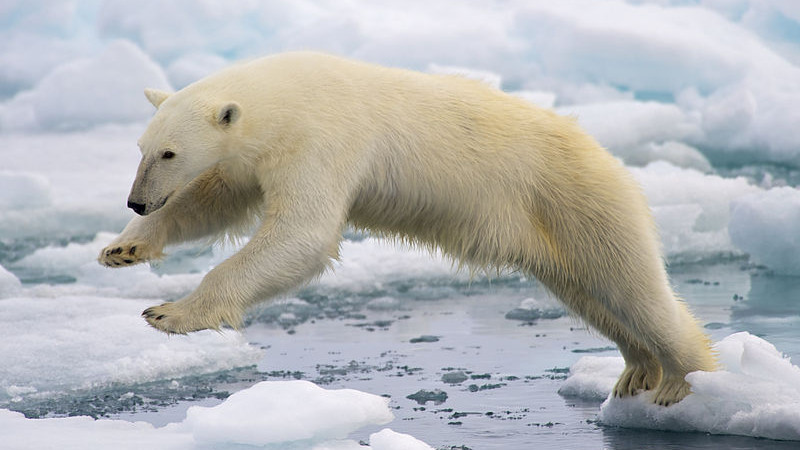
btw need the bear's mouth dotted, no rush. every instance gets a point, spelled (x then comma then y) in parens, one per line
(162, 202)
(156, 206)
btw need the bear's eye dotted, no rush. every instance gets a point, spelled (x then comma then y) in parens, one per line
(169, 154)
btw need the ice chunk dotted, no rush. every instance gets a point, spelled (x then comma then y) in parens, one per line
(531, 309)
(190, 68)
(88, 175)
(764, 224)
(85, 92)
(625, 126)
(288, 411)
(23, 190)
(372, 261)
(77, 342)
(755, 393)
(424, 396)
(692, 210)
(592, 377)
(9, 283)
(387, 439)
(272, 414)
(75, 433)
(740, 61)
(675, 153)
(77, 262)
(490, 78)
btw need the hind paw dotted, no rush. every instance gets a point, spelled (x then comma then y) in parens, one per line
(671, 390)
(635, 378)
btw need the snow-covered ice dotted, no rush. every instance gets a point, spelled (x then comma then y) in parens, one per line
(765, 225)
(756, 393)
(53, 345)
(271, 414)
(725, 77)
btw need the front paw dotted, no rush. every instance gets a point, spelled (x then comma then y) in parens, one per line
(173, 318)
(121, 254)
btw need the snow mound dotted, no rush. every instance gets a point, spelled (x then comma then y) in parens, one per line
(692, 210)
(764, 224)
(9, 283)
(387, 439)
(644, 122)
(23, 190)
(722, 77)
(756, 393)
(592, 377)
(373, 261)
(270, 414)
(289, 411)
(83, 93)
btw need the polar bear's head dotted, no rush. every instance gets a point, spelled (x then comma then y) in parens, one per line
(184, 139)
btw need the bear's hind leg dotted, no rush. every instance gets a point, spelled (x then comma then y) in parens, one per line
(642, 369)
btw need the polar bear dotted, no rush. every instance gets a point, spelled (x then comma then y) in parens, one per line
(302, 144)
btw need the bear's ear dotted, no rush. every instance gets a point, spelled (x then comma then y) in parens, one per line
(229, 114)
(156, 96)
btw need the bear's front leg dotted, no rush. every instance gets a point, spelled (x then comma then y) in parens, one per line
(295, 242)
(139, 242)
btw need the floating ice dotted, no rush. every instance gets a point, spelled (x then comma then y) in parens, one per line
(78, 262)
(725, 78)
(765, 225)
(271, 414)
(190, 68)
(592, 377)
(756, 393)
(67, 184)
(692, 210)
(87, 92)
(387, 439)
(289, 411)
(55, 345)
(625, 126)
(21, 190)
(531, 309)
(9, 284)
(371, 262)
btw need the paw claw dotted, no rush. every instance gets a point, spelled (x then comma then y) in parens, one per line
(636, 378)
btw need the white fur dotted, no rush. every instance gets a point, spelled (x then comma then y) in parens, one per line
(305, 143)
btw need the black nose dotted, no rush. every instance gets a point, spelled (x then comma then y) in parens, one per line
(138, 208)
